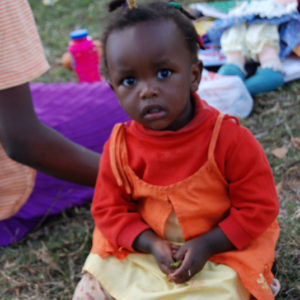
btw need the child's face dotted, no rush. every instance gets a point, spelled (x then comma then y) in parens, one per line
(153, 74)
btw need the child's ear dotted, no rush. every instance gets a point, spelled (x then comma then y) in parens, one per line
(196, 75)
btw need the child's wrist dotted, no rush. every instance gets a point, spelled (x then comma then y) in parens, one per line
(216, 242)
(145, 241)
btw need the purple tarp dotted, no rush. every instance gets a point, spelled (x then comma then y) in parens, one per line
(83, 112)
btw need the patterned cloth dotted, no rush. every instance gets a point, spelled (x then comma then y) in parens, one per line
(250, 40)
(288, 26)
(21, 54)
(16, 183)
(264, 8)
(89, 288)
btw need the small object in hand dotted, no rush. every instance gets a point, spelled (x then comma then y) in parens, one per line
(175, 264)
(189, 273)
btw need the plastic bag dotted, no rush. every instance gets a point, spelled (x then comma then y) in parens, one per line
(228, 94)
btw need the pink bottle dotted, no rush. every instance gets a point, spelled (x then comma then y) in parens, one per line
(85, 56)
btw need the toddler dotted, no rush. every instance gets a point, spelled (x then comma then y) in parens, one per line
(185, 204)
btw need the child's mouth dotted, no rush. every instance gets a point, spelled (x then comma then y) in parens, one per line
(153, 112)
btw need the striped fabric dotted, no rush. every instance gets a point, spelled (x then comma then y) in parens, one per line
(16, 183)
(21, 60)
(21, 54)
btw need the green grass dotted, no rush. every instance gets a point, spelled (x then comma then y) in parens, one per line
(276, 119)
(47, 263)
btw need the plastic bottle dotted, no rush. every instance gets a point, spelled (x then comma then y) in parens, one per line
(85, 57)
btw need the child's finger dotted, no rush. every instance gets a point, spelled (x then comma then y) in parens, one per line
(165, 269)
(182, 274)
(180, 253)
(174, 249)
(186, 270)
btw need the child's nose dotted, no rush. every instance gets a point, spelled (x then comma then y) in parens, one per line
(148, 90)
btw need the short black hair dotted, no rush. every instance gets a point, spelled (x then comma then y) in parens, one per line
(145, 12)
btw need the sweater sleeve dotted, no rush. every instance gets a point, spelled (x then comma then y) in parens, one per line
(115, 215)
(254, 201)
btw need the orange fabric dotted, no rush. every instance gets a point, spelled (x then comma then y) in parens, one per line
(16, 184)
(193, 219)
(22, 57)
(166, 157)
(200, 202)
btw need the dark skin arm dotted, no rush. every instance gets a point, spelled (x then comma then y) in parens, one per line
(193, 254)
(30, 142)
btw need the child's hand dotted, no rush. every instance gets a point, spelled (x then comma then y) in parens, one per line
(162, 251)
(191, 257)
(195, 252)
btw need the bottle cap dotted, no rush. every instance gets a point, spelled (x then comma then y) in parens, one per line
(79, 34)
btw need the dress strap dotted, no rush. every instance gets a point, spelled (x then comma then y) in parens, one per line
(118, 156)
(215, 135)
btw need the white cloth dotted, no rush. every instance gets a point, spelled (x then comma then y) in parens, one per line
(263, 8)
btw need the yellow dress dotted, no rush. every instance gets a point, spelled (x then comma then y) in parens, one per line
(138, 277)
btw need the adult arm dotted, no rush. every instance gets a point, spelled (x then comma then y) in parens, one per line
(28, 141)
(24, 137)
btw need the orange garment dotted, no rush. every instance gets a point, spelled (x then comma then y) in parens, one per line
(166, 157)
(200, 201)
(22, 58)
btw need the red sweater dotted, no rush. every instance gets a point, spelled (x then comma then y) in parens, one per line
(166, 157)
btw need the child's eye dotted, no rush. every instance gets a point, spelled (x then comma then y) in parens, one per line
(164, 73)
(128, 81)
